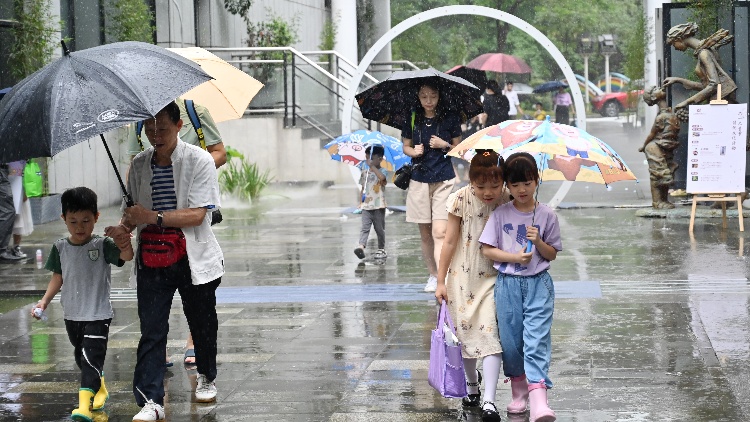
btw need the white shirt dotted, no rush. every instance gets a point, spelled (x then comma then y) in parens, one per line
(513, 100)
(196, 186)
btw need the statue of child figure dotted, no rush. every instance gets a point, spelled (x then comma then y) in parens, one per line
(659, 147)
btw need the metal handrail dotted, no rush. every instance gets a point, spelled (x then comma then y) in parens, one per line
(292, 50)
(401, 62)
(291, 55)
(342, 58)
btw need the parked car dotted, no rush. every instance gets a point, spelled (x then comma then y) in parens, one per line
(610, 105)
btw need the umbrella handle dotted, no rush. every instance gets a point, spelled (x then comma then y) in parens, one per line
(128, 200)
(528, 246)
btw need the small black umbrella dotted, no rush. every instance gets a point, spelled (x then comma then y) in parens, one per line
(549, 87)
(475, 76)
(89, 92)
(392, 100)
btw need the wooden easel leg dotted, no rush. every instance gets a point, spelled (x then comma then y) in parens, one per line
(692, 214)
(739, 213)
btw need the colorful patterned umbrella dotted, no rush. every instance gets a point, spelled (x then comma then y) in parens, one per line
(498, 137)
(392, 101)
(350, 149)
(563, 152)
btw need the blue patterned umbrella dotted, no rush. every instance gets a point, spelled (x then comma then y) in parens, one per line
(350, 148)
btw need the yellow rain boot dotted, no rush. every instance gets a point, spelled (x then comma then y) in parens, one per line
(82, 413)
(101, 397)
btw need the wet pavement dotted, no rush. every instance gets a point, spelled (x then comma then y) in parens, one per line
(650, 324)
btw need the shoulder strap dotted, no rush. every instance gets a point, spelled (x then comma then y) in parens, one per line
(138, 130)
(193, 115)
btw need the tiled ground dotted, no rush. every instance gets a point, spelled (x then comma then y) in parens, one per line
(650, 325)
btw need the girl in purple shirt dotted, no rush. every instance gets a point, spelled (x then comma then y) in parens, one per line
(524, 292)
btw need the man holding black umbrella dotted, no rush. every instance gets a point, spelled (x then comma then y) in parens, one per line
(175, 188)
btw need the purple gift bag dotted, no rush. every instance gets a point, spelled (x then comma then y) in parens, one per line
(446, 373)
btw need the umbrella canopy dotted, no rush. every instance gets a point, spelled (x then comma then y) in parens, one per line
(391, 101)
(230, 91)
(549, 87)
(563, 152)
(89, 92)
(350, 149)
(476, 77)
(499, 62)
(498, 137)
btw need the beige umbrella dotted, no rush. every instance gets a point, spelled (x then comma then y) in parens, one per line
(228, 94)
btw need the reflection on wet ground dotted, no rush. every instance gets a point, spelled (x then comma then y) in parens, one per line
(649, 326)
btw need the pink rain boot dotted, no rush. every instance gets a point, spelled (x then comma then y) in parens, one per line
(540, 411)
(520, 392)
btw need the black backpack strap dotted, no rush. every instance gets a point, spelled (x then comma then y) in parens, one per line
(193, 115)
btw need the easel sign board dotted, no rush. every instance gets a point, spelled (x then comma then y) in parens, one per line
(716, 148)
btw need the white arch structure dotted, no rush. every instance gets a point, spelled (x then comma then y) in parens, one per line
(346, 120)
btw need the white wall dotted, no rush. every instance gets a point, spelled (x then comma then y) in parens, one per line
(283, 151)
(87, 164)
(654, 50)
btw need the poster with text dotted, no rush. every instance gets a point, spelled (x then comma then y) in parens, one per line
(716, 148)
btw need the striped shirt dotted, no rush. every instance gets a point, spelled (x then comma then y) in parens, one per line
(163, 195)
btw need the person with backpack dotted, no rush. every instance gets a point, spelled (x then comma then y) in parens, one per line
(199, 129)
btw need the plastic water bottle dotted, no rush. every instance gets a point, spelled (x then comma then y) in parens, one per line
(39, 313)
(39, 259)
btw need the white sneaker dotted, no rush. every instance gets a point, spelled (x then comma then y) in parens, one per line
(431, 285)
(205, 392)
(150, 412)
(380, 254)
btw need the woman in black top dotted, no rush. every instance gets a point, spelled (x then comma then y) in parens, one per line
(496, 106)
(433, 134)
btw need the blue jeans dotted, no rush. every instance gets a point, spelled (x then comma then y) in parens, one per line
(524, 318)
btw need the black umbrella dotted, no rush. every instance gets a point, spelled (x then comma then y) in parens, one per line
(89, 92)
(549, 87)
(392, 100)
(475, 76)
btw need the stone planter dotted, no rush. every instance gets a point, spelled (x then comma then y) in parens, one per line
(45, 208)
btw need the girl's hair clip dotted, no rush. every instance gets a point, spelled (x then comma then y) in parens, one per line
(486, 154)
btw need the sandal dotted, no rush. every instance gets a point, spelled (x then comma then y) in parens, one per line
(189, 353)
(472, 400)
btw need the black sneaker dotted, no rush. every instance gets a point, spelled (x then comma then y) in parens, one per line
(8, 255)
(18, 252)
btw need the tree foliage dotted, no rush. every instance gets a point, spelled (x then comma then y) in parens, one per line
(438, 41)
(34, 37)
(239, 7)
(130, 20)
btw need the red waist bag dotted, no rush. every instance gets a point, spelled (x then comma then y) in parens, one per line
(161, 247)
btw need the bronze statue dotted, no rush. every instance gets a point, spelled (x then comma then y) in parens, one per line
(659, 147)
(708, 69)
